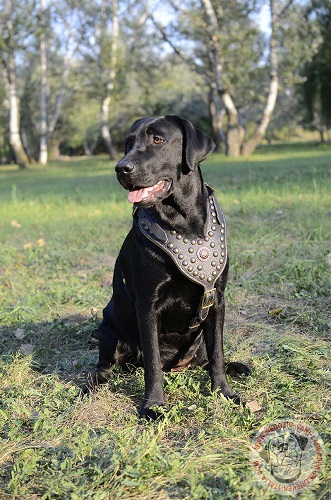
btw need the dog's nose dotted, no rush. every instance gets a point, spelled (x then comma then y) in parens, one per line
(124, 167)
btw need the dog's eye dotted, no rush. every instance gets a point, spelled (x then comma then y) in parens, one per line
(157, 139)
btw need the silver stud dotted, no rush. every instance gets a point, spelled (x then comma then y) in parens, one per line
(214, 221)
(181, 256)
(206, 238)
(213, 263)
(209, 279)
(185, 240)
(213, 228)
(172, 231)
(222, 231)
(222, 261)
(170, 245)
(212, 244)
(199, 242)
(184, 262)
(213, 214)
(222, 253)
(202, 276)
(179, 236)
(193, 260)
(176, 250)
(214, 273)
(190, 268)
(190, 250)
(199, 268)
(215, 254)
(222, 246)
(195, 273)
(193, 242)
(210, 233)
(222, 238)
(218, 268)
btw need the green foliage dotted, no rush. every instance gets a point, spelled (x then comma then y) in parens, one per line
(61, 229)
(317, 72)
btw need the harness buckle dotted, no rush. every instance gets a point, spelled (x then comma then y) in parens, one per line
(208, 299)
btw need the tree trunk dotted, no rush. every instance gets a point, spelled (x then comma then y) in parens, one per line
(109, 81)
(43, 153)
(236, 131)
(216, 119)
(14, 116)
(250, 145)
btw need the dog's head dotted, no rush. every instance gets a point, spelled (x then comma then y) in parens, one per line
(159, 152)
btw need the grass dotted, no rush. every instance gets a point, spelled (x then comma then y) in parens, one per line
(61, 229)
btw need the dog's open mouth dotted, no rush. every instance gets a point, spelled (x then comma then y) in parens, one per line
(151, 193)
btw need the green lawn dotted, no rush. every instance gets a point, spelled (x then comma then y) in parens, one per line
(60, 230)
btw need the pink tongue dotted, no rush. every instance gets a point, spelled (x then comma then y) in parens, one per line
(136, 196)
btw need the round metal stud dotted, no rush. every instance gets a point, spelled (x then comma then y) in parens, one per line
(215, 254)
(209, 279)
(214, 221)
(202, 276)
(170, 245)
(184, 262)
(214, 273)
(206, 238)
(222, 261)
(179, 236)
(213, 228)
(190, 268)
(193, 260)
(212, 244)
(199, 242)
(213, 214)
(181, 256)
(172, 231)
(222, 231)
(218, 268)
(203, 253)
(213, 263)
(210, 233)
(185, 240)
(176, 250)
(223, 253)
(222, 246)
(199, 268)
(195, 273)
(193, 242)
(190, 250)
(222, 238)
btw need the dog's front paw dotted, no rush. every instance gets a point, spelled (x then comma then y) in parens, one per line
(150, 415)
(229, 394)
(234, 369)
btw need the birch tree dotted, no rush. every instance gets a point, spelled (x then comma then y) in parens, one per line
(43, 153)
(13, 30)
(220, 28)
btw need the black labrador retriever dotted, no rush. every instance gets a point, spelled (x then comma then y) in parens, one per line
(167, 308)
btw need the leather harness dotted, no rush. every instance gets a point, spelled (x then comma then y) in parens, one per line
(201, 260)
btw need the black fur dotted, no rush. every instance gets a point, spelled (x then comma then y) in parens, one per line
(146, 322)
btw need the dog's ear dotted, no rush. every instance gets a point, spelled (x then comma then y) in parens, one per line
(196, 144)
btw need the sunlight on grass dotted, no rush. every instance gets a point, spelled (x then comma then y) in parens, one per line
(61, 229)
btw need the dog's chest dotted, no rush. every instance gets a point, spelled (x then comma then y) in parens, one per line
(200, 259)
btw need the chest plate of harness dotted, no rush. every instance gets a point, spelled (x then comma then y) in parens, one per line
(201, 259)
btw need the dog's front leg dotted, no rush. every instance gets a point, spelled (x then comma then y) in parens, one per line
(148, 329)
(213, 334)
